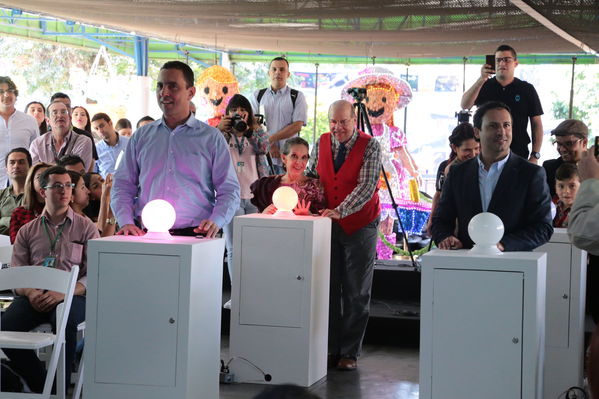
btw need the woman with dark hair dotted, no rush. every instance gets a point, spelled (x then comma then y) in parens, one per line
(464, 145)
(80, 198)
(248, 143)
(123, 127)
(80, 119)
(33, 202)
(295, 156)
(38, 111)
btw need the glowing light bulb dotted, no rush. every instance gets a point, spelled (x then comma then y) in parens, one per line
(285, 200)
(158, 216)
(486, 230)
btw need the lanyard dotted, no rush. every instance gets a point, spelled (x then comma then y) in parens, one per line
(239, 146)
(63, 150)
(58, 234)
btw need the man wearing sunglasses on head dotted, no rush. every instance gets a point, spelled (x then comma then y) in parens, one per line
(571, 139)
(520, 96)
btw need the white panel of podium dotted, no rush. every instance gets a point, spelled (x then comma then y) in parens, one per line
(482, 325)
(280, 299)
(153, 316)
(565, 313)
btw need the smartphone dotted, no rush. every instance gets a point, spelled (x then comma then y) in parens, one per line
(596, 146)
(490, 60)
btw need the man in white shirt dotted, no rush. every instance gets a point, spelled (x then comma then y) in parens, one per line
(17, 129)
(285, 109)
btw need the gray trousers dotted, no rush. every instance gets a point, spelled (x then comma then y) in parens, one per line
(352, 267)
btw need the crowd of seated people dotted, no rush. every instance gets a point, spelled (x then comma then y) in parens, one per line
(67, 174)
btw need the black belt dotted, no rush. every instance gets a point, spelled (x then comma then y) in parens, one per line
(185, 231)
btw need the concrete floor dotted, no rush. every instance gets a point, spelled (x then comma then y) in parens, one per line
(388, 367)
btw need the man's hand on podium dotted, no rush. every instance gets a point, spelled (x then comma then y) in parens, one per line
(207, 227)
(451, 242)
(130, 230)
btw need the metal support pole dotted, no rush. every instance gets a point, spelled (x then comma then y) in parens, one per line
(465, 59)
(405, 110)
(315, 103)
(572, 89)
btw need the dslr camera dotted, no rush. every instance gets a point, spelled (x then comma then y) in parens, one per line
(358, 93)
(238, 123)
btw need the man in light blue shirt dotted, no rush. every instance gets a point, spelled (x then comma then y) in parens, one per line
(110, 147)
(178, 159)
(285, 109)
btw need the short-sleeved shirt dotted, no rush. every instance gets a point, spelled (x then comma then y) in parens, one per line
(32, 245)
(523, 100)
(20, 131)
(441, 176)
(42, 149)
(8, 202)
(279, 110)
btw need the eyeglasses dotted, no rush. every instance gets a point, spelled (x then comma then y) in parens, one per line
(9, 91)
(61, 187)
(344, 122)
(61, 112)
(507, 60)
(565, 144)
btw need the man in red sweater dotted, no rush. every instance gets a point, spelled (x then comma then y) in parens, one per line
(348, 163)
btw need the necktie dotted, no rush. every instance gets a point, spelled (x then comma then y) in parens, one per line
(340, 157)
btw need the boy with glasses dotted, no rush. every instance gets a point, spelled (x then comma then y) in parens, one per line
(571, 139)
(58, 238)
(520, 96)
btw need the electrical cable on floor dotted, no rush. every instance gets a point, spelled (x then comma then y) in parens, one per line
(267, 377)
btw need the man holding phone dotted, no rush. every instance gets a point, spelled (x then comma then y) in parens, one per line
(520, 96)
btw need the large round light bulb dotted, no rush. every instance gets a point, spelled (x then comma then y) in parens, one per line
(158, 216)
(285, 200)
(485, 229)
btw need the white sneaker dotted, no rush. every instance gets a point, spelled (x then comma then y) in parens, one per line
(227, 305)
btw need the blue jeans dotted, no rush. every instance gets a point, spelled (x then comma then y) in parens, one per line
(245, 208)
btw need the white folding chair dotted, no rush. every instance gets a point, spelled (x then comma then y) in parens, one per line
(44, 278)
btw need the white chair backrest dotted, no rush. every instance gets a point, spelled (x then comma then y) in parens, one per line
(5, 253)
(4, 240)
(44, 278)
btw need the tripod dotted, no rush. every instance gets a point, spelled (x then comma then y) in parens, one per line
(363, 124)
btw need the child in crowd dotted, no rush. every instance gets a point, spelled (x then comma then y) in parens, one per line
(567, 182)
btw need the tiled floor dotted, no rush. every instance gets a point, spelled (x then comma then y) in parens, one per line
(388, 368)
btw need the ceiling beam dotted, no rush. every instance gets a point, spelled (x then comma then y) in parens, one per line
(524, 6)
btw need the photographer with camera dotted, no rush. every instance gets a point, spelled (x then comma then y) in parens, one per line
(248, 144)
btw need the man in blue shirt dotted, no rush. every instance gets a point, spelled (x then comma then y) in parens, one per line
(110, 147)
(178, 159)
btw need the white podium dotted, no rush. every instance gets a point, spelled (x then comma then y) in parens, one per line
(482, 325)
(280, 299)
(153, 318)
(564, 321)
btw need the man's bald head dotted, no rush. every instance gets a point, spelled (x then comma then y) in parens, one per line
(341, 105)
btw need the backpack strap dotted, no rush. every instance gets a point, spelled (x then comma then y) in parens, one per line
(293, 94)
(260, 95)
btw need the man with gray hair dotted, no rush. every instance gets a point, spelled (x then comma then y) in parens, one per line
(348, 163)
(571, 139)
(17, 129)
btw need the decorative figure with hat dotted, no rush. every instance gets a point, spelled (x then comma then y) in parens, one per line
(386, 93)
(216, 86)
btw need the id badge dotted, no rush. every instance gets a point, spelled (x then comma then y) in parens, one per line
(49, 261)
(240, 166)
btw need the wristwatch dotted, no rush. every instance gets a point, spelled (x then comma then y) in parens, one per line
(111, 220)
(536, 155)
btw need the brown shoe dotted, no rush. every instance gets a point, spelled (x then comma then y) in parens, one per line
(347, 364)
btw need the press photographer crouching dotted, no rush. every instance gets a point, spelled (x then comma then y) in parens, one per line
(248, 144)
